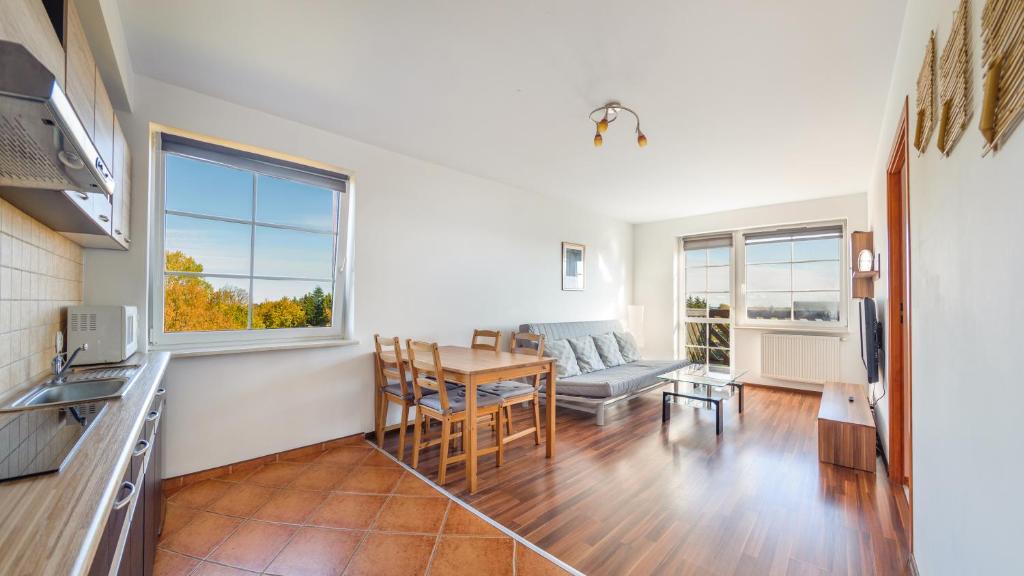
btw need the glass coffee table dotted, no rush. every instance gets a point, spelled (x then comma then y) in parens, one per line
(699, 387)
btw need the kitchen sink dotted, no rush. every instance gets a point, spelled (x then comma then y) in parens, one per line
(69, 393)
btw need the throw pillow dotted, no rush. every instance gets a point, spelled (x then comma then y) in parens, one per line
(565, 359)
(586, 354)
(627, 346)
(608, 348)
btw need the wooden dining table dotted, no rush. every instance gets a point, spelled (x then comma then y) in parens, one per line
(472, 368)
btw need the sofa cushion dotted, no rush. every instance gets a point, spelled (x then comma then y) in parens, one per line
(564, 330)
(608, 347)
(627, 346)
(565, 358)
(586, 354)
(617, 380)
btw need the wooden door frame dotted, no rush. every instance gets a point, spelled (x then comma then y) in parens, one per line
(899, 370)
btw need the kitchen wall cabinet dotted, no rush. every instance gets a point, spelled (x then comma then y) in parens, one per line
(122, 201)
(103, 134)
(128, 544)
(80, 83)
(26, 22)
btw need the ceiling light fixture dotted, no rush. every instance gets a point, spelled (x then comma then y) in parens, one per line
(605, 115)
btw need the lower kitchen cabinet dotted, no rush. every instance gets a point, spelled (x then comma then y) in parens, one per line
(128, 544)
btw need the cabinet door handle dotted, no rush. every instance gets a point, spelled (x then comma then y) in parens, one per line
(153, 415)
(116, 231)
(161, 391)
(104, 218)
(83, 195)
(128, 497)
(141, 448)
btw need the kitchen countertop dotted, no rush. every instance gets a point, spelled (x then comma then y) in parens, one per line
(52, 524)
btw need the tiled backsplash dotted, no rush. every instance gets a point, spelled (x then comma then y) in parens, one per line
(40, 276)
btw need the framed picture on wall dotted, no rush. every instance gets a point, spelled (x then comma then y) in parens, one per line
(574, 266)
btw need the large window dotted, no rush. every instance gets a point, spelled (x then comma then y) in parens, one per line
(707, 286)
(250, 247)
(794, 274)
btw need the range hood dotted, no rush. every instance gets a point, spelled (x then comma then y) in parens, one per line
(43, 144)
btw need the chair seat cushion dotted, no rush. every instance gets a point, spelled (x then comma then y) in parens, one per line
(457, 401)
(507, 389)
(395, 389)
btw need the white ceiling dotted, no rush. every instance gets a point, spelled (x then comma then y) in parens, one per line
(745, 102)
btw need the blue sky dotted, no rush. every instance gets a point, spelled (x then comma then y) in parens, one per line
(224, 247)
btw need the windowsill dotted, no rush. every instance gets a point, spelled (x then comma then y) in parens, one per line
(825, 330)
(194, 350)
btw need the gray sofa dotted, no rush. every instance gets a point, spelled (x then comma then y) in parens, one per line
(594, 391)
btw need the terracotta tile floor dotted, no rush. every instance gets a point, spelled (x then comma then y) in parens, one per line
(348, 511)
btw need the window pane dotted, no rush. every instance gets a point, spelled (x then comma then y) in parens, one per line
(718, 279)
(718, 305)
(718, 335)
(826, 249)
(718, 357)
(768, 252)
(765, 277)
(696, 334)
(210, 246)
(695, 355)
(768, 305)
(718, 256)
(292, 253)
(696, 279)
(207, 188)
(696, 257)
(818, 306)
(291, 304)
(281, 201)
(194, 304)
(816, 275)
(697, 305)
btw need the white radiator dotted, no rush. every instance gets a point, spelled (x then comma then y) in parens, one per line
(800, 358)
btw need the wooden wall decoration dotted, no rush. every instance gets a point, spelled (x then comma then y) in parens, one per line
(925, 98)
(1002, 58)
(955, 102)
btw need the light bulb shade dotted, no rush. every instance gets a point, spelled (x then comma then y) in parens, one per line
(641, 140)
(598, 140)
(865, 261)
(602, 126)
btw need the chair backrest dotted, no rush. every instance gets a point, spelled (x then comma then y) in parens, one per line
(535, 348)
(527, 343)
(486, 340)
(427, 372)
(390, 369)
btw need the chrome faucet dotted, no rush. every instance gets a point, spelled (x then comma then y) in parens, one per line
(60, 366)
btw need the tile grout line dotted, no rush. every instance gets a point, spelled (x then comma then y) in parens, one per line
(529, 545)
(366, 534)
(437, 541)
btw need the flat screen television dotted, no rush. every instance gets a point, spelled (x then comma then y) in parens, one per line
(870, 345)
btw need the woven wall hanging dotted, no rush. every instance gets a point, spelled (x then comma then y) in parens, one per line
(955, 103)
(1002, 58)
(925, 98)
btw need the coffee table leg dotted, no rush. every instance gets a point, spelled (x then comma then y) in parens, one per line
(741, 398)
(718, 418)
(665, 412)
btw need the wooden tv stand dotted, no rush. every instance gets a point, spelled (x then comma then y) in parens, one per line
(846, 430)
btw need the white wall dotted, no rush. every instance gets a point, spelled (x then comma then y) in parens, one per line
(655, 249)
(437, 253)
(966, 213)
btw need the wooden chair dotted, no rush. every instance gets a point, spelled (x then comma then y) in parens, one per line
(393, 388)
(446, 406)
(513, 392)
(486, 340)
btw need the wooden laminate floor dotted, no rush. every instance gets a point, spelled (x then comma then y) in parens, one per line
(639, 497)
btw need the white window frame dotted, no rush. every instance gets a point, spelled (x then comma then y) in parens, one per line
(341, 329)
(685, 318)
(739, 253)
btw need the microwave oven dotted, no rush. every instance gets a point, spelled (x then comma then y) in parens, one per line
(110, 331)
